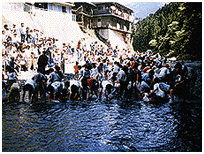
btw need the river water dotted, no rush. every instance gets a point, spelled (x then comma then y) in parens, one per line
(103, 126)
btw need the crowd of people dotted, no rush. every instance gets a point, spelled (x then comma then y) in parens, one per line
(99, 72)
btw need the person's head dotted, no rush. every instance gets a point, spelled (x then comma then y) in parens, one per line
(86, 68)
(67, 83)
(113, 78)
(5, 26)
(57, 68)
(44, 52)
(74, 89)
(93, 65)
(22, 24)
(51, 70)
(101, 65)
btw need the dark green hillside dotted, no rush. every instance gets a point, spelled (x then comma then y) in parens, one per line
(174, 30)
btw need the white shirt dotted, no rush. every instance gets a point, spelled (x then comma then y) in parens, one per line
(74, 82)
(23, 30)
(122, 75)
(116, 69)
(144, 85)
(31, 82)
(57, 57)
(163, 72)
(145, 76)
(105, 83)
(35, 51)
(25, 55)
(11, 76)
(164, 87)
(16, 39)
(158, 91)
(94, 72)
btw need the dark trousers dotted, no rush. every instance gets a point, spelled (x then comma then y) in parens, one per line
(22, 38)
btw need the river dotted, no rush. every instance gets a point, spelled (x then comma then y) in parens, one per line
(103, 126)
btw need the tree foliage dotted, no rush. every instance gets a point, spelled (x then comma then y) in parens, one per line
(174, 30)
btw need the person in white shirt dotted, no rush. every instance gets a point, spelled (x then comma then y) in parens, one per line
(4, 37)
(56, 56)
(123, 80)
(35, 50)
(28, 86)
(36, 36)
(12, 76)
(8, 32)
(25, 54)
(16, 39)
(22, 31)
(116, 68)
(156, 94)
(94, 71)
(14, 54)
(23, 60)
(14, 29)
(73, 58)
(74, 89)
(164, 72)
(32, 36)
(107, 87)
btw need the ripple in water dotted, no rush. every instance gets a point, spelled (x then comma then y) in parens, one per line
(101, 126)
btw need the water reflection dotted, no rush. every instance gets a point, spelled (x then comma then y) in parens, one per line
(101, 126)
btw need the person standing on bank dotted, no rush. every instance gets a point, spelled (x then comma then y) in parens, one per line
(43, 61)
(22, 31)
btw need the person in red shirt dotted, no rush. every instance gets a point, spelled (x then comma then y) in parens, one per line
(76, 70)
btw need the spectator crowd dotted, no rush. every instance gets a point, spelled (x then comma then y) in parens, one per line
(103, 72)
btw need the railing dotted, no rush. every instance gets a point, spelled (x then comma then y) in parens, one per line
(113, 28)
(116, 12)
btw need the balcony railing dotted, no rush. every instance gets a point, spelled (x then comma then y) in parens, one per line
(112, 27)
(117, 13)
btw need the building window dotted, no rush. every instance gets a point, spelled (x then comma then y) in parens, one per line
(100, 7)
(73, 17)
(58, 8)
(42, 5)
(64, 9)
(68, 10)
